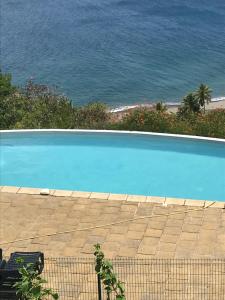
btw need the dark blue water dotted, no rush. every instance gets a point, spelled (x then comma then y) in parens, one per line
(117, 51)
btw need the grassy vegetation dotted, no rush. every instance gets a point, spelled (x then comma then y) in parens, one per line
(37, 106)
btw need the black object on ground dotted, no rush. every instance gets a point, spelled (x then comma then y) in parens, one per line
(9, 271)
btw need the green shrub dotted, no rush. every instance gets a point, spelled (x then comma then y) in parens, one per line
(31, 285)
(38, 106)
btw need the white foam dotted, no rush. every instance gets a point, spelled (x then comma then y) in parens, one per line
(122, 108)
(218, 99)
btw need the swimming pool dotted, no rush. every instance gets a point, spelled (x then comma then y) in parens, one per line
(159, 165)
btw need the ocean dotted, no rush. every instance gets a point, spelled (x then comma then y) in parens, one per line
(121, 52)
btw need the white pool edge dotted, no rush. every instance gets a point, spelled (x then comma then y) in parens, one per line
(192, 137)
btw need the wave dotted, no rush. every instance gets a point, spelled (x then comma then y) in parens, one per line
(218, 99)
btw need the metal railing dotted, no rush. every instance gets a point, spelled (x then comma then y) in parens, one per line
(145, 279)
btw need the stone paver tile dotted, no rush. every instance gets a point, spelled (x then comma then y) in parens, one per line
(191, 228)
(161, 210)
(111, 246)
(210, 225)
(207, 235)
(136, 198)
(131, 243)
(221, 237)
(174, 223)
(188, 236)
(214, 204)
(62, 193)
(172, 230)
(100, 231)
(156, 225)
(154, 199)
(122, 229)
(127, 252)
(199, 203)
(168, 247)
(135, 235)
(110, 209)
(153, 232)
(115, 237)
(95, 239)
(129, 208)
(30, 191)
(177, 216)
(102, 196)
(147, 249)
(195, 212)
(137, 227)
(120, 197)
(169, 238)
(185, 245)
(192, 220)
(87, 249)
(9, 189)
(174, 201)
(71, 251)
(143, 211)
(183, 254)
(165, 254)
(78, 194)
(204, 249)
(150, 241)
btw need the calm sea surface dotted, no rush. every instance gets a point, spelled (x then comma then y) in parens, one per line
(117, 51)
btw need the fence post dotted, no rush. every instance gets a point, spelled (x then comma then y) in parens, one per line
(99, 288)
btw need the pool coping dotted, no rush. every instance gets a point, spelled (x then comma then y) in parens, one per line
(164, 201)
(192, 137)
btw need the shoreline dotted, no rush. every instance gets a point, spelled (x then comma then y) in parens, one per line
(172, 107)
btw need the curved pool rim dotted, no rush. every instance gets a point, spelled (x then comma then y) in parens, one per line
(193, 137)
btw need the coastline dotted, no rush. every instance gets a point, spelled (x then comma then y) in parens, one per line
(216, 103)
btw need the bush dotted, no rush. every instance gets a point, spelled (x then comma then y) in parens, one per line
(38, 106)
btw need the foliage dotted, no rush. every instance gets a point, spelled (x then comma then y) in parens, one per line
(160, 107)
(209, 124)
(6, 87)
(189, 105)
(203, 95)
(38, 106)
(105, 270)
(30, 287)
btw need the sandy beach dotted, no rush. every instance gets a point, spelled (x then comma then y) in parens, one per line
(210, 106)
(170, 107)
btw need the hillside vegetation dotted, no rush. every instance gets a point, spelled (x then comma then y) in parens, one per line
(38, 106)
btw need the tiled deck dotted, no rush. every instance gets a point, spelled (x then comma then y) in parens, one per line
(181, 229)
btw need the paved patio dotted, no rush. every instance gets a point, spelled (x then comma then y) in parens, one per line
(173, 231)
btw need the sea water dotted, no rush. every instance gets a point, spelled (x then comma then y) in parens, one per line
(121, 52)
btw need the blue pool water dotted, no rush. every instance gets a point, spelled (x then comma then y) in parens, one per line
(116, 163)
(117, 51)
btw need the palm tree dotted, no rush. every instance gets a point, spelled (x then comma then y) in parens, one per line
(190, 103)
(203, 94)
(160, 107)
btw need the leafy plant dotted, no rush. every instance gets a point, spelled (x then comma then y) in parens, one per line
(203, 95)
(30, 287)
(160, 107)
(104, 269)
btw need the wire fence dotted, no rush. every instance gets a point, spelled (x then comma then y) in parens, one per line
(145, 279)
